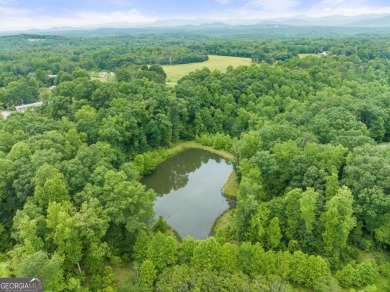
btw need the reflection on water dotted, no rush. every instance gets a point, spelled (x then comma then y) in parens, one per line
(189, 187)
(173, 173)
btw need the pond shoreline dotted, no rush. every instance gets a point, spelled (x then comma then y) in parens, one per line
(184, 145)
(229, 189)
(161, 154)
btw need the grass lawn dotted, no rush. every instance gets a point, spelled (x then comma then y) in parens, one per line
(104, 79)
(192, 144)
(381, 283)
(230, 189)
(124, 275)
(224, 226)
(301, 56)
(176, 72)
(107, 78)
(384, 145)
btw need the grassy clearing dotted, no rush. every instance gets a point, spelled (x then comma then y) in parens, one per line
(377, 255)
(44, 90)
(107, 78)
(224, 227)
(301, 56)
(230, 188)
(192, 144)
(104, 79)
(173, 233)
(384, 145)
(101, 79)
(124, 275)
(176, 72)
(381, 283)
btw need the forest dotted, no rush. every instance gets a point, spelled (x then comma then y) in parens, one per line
(310, 136)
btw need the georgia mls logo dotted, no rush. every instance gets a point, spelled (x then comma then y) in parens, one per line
(21, 285)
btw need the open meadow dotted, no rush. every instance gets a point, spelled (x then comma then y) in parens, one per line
(176, 72)
(301, 56)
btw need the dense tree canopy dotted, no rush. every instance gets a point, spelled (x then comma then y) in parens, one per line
(310, 136)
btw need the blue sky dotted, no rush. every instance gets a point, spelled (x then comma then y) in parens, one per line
(21, 14)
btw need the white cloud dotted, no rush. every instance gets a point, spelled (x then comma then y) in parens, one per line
(6, 11)
(263, 9)
(345, 7)
(259, 9)
(271, 5)
(223, 2)
(19, 19)
(347, 11)
(132, 16)
(13, 17)
(6, 2)
(332, 1)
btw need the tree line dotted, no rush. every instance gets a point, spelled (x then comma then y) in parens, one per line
(28, 60)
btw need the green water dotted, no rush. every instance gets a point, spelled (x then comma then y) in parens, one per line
(189, 186)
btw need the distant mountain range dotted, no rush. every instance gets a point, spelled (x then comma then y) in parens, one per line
(376, 22)
(361, 21)
(366, 20)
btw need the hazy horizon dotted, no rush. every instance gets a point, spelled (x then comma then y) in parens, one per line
(21, 15)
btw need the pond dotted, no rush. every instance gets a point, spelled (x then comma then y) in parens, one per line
(189, 187)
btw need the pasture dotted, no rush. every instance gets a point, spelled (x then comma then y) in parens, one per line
(301, 56)
(176, 72)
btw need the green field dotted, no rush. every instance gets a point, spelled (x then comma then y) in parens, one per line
(301, 56)
(384, 145)
(176, 72)
(107, 78)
